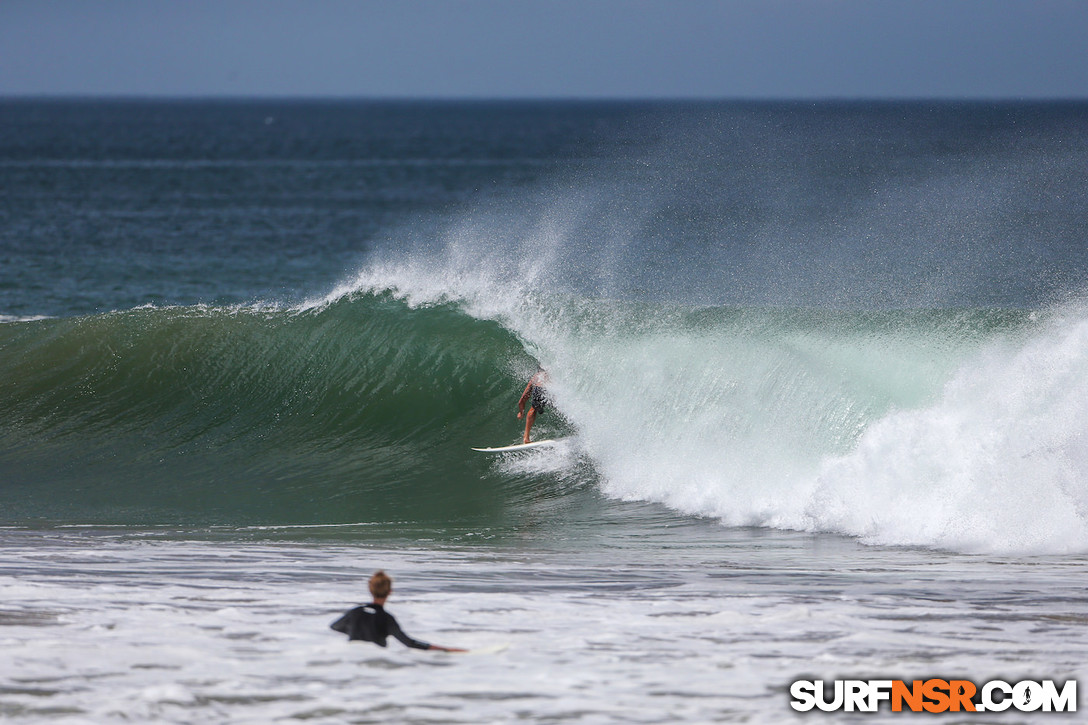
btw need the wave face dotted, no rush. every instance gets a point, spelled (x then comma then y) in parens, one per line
(360, 411)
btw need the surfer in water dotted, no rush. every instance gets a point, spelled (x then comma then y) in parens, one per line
(538, 398)
(371, 623)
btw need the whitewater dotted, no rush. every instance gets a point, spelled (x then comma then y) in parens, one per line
(950, 428)
(819, 372)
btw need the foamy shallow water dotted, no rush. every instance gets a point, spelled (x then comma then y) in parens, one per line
(684, 623)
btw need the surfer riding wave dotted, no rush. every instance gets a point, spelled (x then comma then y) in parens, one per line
(537, 397)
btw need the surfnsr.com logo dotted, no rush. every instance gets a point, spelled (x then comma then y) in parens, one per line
(933, 695)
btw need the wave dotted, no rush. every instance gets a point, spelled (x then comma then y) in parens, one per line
(941, 429)
(954, 429)
(945, 428)
(999, 462)
(359, 411)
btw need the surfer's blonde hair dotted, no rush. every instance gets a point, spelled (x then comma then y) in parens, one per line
(380, 585)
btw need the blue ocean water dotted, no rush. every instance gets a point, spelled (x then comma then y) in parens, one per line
(819, 367)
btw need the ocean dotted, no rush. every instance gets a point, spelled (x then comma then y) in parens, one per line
(819, 372)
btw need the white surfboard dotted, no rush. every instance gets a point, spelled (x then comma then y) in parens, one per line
(492, 650)
(520, 446)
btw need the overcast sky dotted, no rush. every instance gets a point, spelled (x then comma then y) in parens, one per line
(547, 48)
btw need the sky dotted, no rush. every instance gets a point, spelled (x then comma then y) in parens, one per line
(593, 49)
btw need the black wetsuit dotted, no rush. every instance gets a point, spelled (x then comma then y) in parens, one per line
(539, 398)
(371, 623)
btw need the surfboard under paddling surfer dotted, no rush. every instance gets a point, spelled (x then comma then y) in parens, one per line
(537, 396)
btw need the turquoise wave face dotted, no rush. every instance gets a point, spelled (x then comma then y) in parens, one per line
(360, 411)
